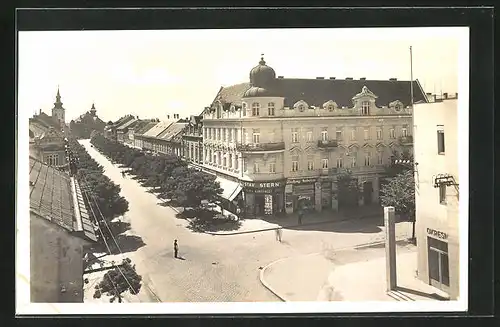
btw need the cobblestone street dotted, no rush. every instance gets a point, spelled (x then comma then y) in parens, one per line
(219, 268)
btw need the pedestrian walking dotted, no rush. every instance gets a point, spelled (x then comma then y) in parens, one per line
(176, 249)
(277, 234)
(280, 233)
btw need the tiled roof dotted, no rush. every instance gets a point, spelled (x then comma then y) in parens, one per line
(138, 124)
(315, 92)
(51, 197)
(127, 124)
(158, 128)
(171, 131)
(145, 128)
(47, 120)
(123, 120)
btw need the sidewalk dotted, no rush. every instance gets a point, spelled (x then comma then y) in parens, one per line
(347, 276)
(291, 221)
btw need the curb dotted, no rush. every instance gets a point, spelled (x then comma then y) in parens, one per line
(291, 226)
(282, 298)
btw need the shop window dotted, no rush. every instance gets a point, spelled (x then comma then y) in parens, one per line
(442, 194)
(439, 274)
(440, 136)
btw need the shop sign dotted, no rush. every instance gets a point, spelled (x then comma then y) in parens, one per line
(301, 181)
(437, 234)
(259, 185)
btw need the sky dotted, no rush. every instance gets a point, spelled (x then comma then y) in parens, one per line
(153, 74)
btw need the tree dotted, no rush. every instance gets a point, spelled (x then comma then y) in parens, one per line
(348, 188)
(114, 283)
(194, 186)
(400, 194)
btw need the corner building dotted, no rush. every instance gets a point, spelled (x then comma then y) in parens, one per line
(275, 141)
(437, 194)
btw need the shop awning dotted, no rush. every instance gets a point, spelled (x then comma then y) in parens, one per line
(230, 189)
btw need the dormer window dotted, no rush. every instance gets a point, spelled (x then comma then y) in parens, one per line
(255, 109)
(301, 108)
(397, 107)
(331, 108)
(365, 107)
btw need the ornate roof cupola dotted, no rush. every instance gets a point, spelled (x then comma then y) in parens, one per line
(262, 81)
(93, 110)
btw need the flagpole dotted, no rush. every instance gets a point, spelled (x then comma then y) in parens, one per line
(411, 103)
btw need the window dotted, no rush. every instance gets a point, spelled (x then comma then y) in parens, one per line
(244, 108)
(324, 134)
(339, 135)
(270, 109)
(310, 164)
(230, 135)
(219, 158)
(404, 132)
(353, 161)
(230, 160)
(255, 109)
(272, 167)
(256, 168)
(209, 133)
(295, 163)
(205, 133)
(301, 108)
(235, 135)
(52, 160)
(367, 159)
(392, 133)
(379, 133)
(218, 134)
(438, 262)
(331, 107)
(340, 163)
(440, 135)
(380, 158)
(245, 165)
(442, 194)
(353, 134)
(324, 163)
(295, 135)
(224, 162)
(236, 162)
(256, 136)
(367, 134)
(397, 107)
(223, 132)
(309, 136)
(365, 108)
(215, 159)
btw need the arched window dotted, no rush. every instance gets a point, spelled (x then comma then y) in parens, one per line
(270, 109)
(255, 109)
(219, 111)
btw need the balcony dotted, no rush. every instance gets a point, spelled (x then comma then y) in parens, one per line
(261, 147)
(328, 171)
(328, 144)
(406, 140)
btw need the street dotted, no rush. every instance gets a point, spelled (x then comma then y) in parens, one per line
(216, 268)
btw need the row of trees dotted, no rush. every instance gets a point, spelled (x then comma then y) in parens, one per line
(104, 203)
(168, 175)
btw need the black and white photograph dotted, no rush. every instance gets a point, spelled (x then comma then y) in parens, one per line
(242, 170)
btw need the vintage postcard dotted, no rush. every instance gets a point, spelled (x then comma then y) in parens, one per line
(242, 171)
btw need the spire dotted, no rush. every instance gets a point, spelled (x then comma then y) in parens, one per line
(93, 109)
(262, 62)
(58, 103)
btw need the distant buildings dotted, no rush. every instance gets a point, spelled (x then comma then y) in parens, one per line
(437, 193)
(83, 126)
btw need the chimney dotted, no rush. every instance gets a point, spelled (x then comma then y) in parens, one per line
(456, 95)
(393, 79)
(40, 112)
(428, 93)
(280, 76)
(168, 116)
(348, 78)
(332, 77)
(362, 79)
(320, 78)
(445, 95)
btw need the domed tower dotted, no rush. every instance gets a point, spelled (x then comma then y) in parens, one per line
(58, 111)
(262, 81)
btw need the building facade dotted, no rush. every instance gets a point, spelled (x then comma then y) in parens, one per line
(280, 140)
(192, 140)
(83, 126)
(437, 194)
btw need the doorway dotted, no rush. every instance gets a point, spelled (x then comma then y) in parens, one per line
(439, 275)
(367, 192)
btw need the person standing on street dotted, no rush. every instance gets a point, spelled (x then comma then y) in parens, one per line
(176, 249)
(280, 232)
(301, 213)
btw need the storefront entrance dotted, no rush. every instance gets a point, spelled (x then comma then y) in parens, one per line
(439, 275)
(263, 198)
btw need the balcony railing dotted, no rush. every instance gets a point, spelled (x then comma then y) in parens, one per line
(406, 139)
(254, 147)
(328, 143)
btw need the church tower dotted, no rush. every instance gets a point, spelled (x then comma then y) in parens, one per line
(58, 111)
(93, 110)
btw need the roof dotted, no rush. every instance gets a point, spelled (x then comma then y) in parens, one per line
(138, 124)
(123, 120)
(315, 92)
(46, 121)
(145, 128)
(127, 124)
(51, 197)
(172, 131)
(158, 128)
